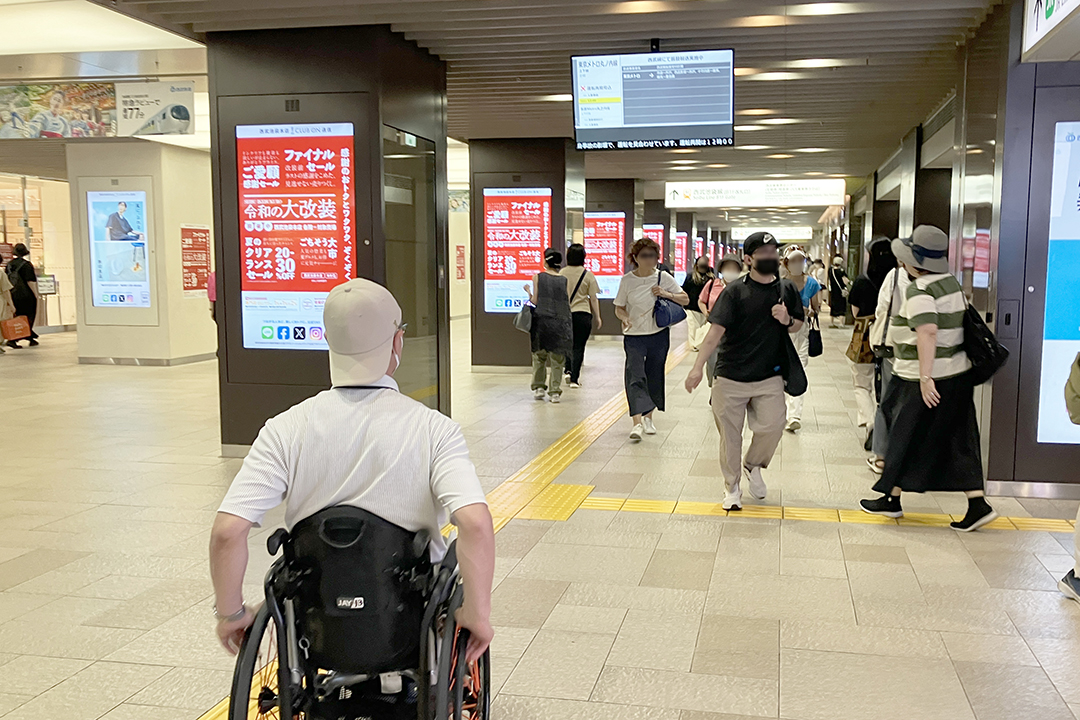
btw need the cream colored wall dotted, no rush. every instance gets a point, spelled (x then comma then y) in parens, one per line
(460, 290)
(59, 251)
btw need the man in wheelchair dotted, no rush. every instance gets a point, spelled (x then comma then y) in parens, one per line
(368, 613)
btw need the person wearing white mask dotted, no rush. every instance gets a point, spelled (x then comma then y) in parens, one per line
(730, 270)
(809, 292)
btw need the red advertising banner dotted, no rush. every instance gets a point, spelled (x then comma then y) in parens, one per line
(297, 206)
(605, 247)
(981, 278)
(517, 230)
(680, 256)
(656, 234)
(699, 247)
(194, 258)
(712, 254)
(459, 262)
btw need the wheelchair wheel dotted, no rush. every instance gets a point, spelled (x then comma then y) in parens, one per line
(462, 692)
(254, 694)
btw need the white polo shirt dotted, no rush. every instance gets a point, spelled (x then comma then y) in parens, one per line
(374, 449)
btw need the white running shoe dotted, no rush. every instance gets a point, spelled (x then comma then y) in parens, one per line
(647, 422)
(555, 398)
(637, 432)
(575, 385)
(794, 426)
(733, 499)
(539, 393)
(757, 483)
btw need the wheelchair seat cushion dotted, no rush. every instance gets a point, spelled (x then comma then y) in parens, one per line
(362, 601)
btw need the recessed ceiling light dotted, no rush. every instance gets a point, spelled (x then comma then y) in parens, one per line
(780, 156)
(812, 150)
(776, 76)
(825, 8)
(826, 62)
(683, 167)
(561, 97)
(752, 147)
(838, 175)
(717, 165)
(779, 121)
(683, 162)
(756, 111)
(684, 150)
(778, 175)
(814, 173)
(749, 128)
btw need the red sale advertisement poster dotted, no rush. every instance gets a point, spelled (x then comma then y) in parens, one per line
(297, 228)
(605, 247)
(712, 254)
(517, 230)
(680, 257)
(194, 259)
(656, 234)
(699, 247)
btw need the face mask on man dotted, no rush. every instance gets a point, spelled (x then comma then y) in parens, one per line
(731, 276)
(767, 266)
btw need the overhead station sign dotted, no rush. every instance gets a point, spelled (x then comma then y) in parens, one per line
(756, 193)
(1042, 17)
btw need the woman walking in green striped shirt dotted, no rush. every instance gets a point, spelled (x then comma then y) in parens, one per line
(930, 408)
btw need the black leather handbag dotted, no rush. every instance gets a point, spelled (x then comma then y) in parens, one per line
(986, 354)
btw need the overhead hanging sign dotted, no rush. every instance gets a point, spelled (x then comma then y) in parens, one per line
(155, 108)
(517, 230)
(1041, 17)
(297, 210)
(756, 193)
(605, 247)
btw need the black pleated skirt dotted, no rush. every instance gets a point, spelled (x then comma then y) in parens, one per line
(931, 449)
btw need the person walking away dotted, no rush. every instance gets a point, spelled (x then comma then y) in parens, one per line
(584, 309)
(838, 287)
(750, 324)
(731, 269)
(7, 307)
(360, 443)
(24, 292)
(890, 300)
(646, 344)
(809, 291)
(551, 335)
(930, 407)
(1070, 584)
(863, 300)
(697, 323)
(817, 270)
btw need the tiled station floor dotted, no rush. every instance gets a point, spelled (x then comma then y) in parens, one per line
(111, 476)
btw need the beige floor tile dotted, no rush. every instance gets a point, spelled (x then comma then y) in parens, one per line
(518, 537)
(63, 641)
(895, 583)
(185, 688)
(1003, 692)
(819, 686)
(1060, 661)
(117, 587)
(34, 674)
(629, 597)
(854, 552)
(780, 598)
(746, 556)
(814, 540)
(839, 637)
(561, 534)
(514, 707)
(696, 715)
(560, 665)
(687, 691)
(881, 613)
(131, 711)
(506, 650)
(14, 605)
(577, 563)
(679, 570)
(580, 618)
(813, 567)
(614, 482)
(739, 634)
(994, 649)
(525, 603)
(153, 607)
(659, 641)
(33, 564)
(10, 701)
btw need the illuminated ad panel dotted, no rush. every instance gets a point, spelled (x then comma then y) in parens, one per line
(297, 210)
(517, 230)
(605, 247)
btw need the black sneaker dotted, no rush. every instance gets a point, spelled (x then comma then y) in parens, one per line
(886, 505)
(979, 513)
(868, 445)
(1070, 585)
(34, 343)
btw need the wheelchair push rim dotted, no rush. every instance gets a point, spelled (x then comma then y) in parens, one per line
(255, 689)
(462, 691)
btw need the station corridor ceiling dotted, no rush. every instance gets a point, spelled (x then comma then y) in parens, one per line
(824, 88)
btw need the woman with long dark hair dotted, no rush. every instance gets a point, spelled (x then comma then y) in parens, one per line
(863, 299)
(696, 322)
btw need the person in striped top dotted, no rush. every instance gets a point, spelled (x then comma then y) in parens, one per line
(929, 407)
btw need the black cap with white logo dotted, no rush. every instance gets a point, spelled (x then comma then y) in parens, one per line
(758, 240)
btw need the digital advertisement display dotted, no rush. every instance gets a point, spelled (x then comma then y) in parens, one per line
(712, 254)
(699, 247)
(297, 229)
(656, 234)
(680, 257)
(1061, 326)
(195, 259)
(605, 248)
(117, 225)
(517, 230)
(654, 100)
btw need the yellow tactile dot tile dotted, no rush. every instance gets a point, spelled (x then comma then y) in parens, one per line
(772, 512)
(926, 519)
(556, 502)
(649, 506)
(815, 514)
(685, 507)
(601, 503)
(1046, 524)
(858, 516)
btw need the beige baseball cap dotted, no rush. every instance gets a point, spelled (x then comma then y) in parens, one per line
(361, 318)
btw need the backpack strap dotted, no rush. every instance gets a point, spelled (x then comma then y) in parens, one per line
(582, 277)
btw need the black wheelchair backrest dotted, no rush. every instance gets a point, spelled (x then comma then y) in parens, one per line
(362, 602)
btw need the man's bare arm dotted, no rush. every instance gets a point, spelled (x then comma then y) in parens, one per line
(228, 561)
(476, 559)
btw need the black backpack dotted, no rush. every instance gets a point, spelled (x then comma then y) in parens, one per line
(19, 288)
(987, 355)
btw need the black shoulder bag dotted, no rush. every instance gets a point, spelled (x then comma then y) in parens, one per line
(986, 354)
(795, 383)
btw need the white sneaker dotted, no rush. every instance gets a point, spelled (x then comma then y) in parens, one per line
(575, 386)
(732, 499)
(555, 398)
(757, 483)
(637, 432)
(793, 426)
(647, 422)
(539, 393)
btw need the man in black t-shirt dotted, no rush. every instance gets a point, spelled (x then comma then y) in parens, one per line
(749, 323)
